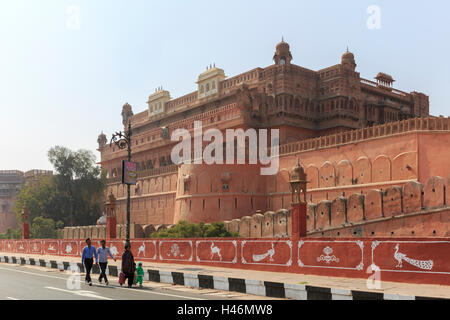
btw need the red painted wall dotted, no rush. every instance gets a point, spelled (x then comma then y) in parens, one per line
(401, 260)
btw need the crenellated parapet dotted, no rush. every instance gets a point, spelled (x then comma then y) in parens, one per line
(268, 225)
(359, 135)
(393, 203)
(387, 211)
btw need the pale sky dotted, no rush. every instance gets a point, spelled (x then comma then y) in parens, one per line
(63, 82)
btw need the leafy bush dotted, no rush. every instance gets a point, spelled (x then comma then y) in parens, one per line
(44, 228)
(11, 234)
(184, 229)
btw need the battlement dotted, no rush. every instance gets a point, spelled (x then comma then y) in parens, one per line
(359, 135)
(388, 212)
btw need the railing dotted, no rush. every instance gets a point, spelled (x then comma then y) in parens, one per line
(375, 85)
(148, 173)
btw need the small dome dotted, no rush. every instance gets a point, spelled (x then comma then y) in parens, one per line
(384, 76)
(283, 46)
(101, 136)
(348, 56)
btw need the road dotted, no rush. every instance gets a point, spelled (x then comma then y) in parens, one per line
(23, 282)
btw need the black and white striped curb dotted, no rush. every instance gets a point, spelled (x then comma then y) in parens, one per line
(255, 287)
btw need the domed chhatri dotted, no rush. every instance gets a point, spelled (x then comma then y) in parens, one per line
(297, 180)
(348, 59)
(283, 54)
(101, 140)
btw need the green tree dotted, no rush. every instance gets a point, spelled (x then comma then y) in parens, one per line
(11, 234)
(79, 183)
(73, 196)
(43, 228)
(41, 199)
(184, 229)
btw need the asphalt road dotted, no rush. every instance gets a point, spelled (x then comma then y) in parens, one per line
(35, 283)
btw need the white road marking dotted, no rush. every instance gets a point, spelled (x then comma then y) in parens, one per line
(122, 288)
(83, 293)
(11, 298)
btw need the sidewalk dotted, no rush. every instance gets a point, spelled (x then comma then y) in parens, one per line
(271, 284)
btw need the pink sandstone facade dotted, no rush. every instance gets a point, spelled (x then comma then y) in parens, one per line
(351, 135)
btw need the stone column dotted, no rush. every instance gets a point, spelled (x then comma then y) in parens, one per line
(25, 222)
(111, 221)
(297, 180)
(298, 216)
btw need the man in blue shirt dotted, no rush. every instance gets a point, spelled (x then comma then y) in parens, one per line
(87, 259)
(103, 252)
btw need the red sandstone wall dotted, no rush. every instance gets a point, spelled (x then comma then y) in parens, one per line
(351, 168)
(244, 192)
(413, 210)
(434, 154)
(337, 165)
(152, 200)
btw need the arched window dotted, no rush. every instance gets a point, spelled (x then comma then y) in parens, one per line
(297, 104)
(207, 87)
(213, 85)
(202, 89)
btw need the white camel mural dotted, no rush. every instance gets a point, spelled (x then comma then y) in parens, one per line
(215, 250)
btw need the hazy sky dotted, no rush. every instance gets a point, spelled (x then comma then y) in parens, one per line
(63, 82)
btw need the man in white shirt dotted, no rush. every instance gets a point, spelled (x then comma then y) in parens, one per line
(103, 252)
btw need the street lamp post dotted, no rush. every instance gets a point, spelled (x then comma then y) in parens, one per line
(123, 140)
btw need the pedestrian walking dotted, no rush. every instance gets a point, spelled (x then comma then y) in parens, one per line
(128, 265)
(87, 260)
(140, 274)
(103, 252)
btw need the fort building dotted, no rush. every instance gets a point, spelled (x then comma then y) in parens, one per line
(351, 134)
